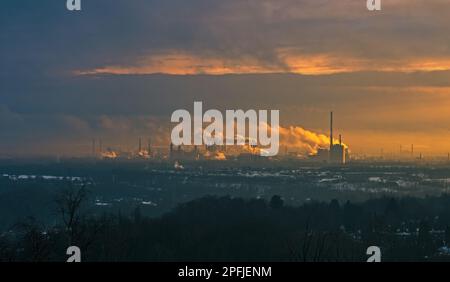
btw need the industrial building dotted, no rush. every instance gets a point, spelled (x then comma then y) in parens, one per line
(338, 152)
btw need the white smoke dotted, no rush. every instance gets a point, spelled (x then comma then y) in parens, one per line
(303, 140)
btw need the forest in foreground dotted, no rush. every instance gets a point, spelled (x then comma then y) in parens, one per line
(233, 229)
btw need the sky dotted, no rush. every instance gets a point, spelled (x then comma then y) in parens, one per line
(117, 70)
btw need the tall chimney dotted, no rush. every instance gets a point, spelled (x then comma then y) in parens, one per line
(340, 139)
(331, 131)
(140, 144)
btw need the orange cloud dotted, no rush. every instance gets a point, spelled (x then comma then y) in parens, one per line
(288, 60)
(183, 64)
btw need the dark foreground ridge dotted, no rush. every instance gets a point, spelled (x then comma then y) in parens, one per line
(233, 229)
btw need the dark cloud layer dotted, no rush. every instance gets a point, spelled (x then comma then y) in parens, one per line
(42, 45)
(41, 37)
(115, 106)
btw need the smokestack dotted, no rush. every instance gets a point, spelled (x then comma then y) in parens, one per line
(140, 144)
(149, 149)
(340, 139)
(412, 149)
(331, 131)
(100, 144)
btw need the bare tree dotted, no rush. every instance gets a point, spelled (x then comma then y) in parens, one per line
(35, 242)
(69, 206)
(81, 230)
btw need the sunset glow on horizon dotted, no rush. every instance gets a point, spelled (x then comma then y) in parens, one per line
(386, 74)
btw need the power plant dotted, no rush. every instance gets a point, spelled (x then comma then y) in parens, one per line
(338, 152)
(321, 149)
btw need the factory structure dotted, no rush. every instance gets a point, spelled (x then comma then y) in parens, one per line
(214, 152)
(336, 153)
